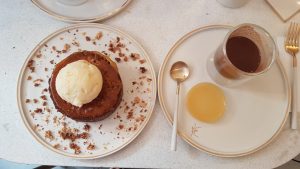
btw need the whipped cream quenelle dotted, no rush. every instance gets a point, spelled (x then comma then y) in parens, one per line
(79, 82)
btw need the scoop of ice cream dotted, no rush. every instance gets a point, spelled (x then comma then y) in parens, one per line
(79, 82)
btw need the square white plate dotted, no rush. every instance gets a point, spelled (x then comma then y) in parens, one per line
(285, 8)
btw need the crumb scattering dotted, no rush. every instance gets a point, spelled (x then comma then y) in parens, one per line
(67, 133)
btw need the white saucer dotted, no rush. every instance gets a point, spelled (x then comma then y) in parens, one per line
(90, 11)
(256, 111)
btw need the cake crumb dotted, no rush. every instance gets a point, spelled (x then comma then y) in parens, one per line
(118, 60)
(43, 97)
(86, 127)
(90, 147)
(27, 101)
(35, 100)
(67, 133)
(44, 103)
(29, 78)
(141, 118)
(45, 90)
(66, 48)
(134, 56)
(75, 147)
(143, 104)
(143, 69)
(121, 126)
(48, 135)
(136, 100)
(55, 119)
(99, 35)
(142, 61)
(87, 38)
(38, 110)
(35, 127)
(125, 58)
(48, 110)
(39, 55)
(130, 115)
(121, 55)
(76, 43)
(30, 65)
(141, 83)
(56, 146)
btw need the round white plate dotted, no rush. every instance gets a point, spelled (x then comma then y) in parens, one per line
(90, 11)
(255, 112)
(110, 134)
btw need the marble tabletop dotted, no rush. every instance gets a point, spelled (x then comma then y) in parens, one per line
(157, 25)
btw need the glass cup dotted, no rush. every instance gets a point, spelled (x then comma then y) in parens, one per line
(247, 51)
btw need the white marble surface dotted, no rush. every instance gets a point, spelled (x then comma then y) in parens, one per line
(157, 25)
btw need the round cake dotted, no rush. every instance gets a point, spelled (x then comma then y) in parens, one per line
(108, 99)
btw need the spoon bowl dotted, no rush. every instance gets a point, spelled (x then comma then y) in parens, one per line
(179, 71)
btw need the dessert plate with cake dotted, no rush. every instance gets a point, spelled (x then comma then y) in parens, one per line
(86, 91)
(222, 121)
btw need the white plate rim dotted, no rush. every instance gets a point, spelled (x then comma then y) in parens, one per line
(76, 20)
(182, 134)
(21, 73)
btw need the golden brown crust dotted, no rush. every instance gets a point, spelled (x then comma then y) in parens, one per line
(108, 99)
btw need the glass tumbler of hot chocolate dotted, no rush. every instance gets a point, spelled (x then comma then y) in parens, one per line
(247, 51)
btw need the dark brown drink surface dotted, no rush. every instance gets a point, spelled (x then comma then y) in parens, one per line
(243, 53)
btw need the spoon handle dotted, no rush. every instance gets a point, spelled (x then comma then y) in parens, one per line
(175, 116)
